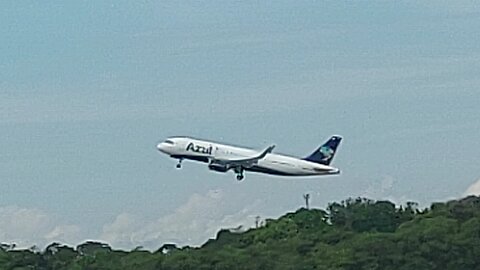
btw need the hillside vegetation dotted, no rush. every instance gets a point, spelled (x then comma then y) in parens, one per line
(353, 234)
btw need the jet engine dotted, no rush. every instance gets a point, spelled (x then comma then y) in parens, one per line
(218, 167)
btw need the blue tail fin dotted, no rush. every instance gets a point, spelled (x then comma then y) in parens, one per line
(324, 154)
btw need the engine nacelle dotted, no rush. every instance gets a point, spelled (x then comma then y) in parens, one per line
(218, 168)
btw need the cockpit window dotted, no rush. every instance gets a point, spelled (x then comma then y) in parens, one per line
(169, 142)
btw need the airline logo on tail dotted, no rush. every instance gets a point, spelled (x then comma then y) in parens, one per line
(325, 153)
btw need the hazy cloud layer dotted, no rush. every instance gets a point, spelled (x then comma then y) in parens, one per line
(192, 223)
(26, 227)
(458, 7)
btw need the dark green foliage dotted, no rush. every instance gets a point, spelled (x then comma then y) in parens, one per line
(354, 234)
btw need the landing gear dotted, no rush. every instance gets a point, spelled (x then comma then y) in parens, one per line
(179, 164)
(239, 172)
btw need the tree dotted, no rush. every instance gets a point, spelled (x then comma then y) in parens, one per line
(353, 234)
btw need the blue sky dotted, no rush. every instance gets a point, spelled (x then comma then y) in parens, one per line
(88, 88)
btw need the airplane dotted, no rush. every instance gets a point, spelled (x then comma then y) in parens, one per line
(222, 157)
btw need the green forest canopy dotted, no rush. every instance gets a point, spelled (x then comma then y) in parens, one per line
(354, 234)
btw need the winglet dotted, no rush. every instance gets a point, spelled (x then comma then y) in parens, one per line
(247, 161)
(266, 151)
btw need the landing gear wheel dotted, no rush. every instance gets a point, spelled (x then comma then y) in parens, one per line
(239, 172)
(179, 164)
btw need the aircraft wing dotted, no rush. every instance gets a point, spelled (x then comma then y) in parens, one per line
(244, 161)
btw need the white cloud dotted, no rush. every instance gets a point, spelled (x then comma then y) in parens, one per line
(121, 231)
(29, 226)
(64, 234)
(192, 223)
(384, 189)
(473, 189)
(380, 189)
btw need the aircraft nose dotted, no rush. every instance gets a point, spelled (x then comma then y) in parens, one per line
(162, 147)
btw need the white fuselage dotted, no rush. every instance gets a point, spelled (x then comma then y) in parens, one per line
(206, 151)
